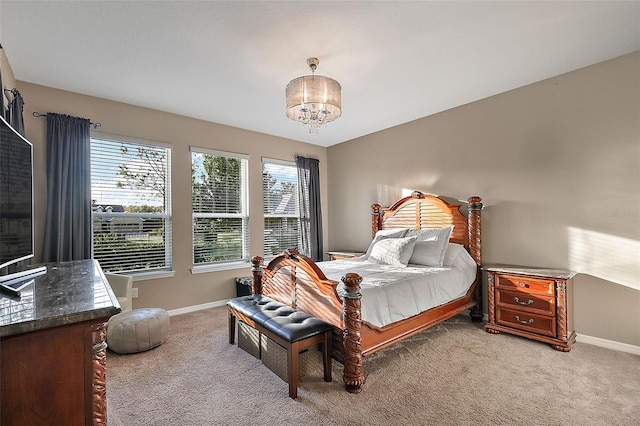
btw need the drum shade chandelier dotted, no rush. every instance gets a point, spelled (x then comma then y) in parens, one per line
(313, 100)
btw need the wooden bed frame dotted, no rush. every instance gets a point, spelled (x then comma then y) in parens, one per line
(295, 280)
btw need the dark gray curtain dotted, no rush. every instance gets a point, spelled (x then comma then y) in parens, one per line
(67, 233)
(15, 112)
(310, 209)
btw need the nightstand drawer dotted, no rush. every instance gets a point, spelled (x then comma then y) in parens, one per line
(525, 284)
(534, 303)
(539, 324)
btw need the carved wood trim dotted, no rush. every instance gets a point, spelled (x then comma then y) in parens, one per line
(375, 219)
(256, 272)
(353, 376)
(99, 377)
(561, 309)
(491, 297)
(475, 228)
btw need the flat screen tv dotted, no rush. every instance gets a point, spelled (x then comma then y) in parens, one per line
(16, 204)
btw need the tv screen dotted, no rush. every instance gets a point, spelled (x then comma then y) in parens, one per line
(16, 198)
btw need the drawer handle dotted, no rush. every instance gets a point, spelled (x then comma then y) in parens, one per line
(524, 322)
(528, 302)
(525, 285)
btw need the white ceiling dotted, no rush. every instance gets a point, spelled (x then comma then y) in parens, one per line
(229, 61)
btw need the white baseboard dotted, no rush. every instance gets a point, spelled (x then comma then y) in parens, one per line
(609, 344)
(195, 308)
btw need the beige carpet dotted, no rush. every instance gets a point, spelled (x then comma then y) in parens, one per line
(453, 374)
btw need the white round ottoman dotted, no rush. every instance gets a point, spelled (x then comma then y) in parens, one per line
(138, 330)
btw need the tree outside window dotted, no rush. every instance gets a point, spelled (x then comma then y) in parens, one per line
(130, 191)
(219, 203)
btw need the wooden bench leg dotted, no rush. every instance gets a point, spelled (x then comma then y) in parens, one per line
(293, 356)
(326, 355)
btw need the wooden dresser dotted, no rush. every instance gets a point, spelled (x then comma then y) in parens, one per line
(532, 302)
(53, 350)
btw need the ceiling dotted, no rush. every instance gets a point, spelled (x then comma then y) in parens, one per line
(229, 61)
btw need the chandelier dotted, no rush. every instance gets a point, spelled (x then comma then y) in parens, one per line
(313, 100)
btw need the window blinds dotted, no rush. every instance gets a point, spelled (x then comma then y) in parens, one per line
(130, 193)
(280, 206)
(220, 209)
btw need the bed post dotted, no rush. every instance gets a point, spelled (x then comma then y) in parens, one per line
(475, 249)
(353, 376)
(375, 219)
(256, 271)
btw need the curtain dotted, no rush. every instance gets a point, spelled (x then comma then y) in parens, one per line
(310, 209)
(67, 233)
(15, 112)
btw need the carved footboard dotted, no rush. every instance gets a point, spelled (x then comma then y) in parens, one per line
(295, 280)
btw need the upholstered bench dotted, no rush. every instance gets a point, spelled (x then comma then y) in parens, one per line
(292, 329)
(138, 330)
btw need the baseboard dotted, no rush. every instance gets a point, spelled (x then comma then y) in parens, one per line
(609, 344)
(195, 308)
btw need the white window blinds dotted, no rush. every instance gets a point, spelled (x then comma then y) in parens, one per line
(219, 194)
(281, 214)
(130, 205)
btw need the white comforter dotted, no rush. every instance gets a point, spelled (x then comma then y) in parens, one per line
(391, 293)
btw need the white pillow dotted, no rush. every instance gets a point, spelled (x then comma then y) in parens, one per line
(427, 253)
(432, 234)
(431, 246)
(393, 251)
(383, 234)
(451, 253)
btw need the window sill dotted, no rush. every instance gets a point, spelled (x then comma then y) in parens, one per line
(203, 269)
(143, 276)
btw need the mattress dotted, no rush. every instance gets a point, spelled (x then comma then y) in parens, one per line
(391, 293)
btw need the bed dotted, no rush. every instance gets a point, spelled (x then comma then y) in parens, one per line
(356, 295)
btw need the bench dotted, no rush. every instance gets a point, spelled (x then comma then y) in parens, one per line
(292, 329)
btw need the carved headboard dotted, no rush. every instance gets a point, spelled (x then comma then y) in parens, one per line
(419, 211)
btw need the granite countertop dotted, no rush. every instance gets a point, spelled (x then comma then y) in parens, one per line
(68, 293)
(531, 270)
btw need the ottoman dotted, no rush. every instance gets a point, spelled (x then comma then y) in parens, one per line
(138, 330)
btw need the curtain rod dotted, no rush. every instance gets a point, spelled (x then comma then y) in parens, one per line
(95, 125)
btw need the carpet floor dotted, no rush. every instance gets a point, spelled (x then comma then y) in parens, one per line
(452, 374)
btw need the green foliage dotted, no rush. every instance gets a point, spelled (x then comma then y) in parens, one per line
(217, 239)
(217, 184)
(109, 248)
(144, 209)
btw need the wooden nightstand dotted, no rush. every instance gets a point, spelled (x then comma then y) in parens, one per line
(337, 255)
(532, 302)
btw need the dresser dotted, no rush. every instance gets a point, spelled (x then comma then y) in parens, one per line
(536, 303)
(53, 350)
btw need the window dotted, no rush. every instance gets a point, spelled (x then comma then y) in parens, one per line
(281, 214)
(219, 198)
(130, 205)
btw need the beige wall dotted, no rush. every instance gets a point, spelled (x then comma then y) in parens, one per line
(8, 80)
(184, 289)
(557, 164)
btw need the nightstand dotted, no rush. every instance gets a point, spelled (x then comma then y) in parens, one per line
(536, 303)
(337, 255)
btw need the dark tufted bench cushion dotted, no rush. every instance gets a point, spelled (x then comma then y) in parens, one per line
(292, 329)
(288, 323)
